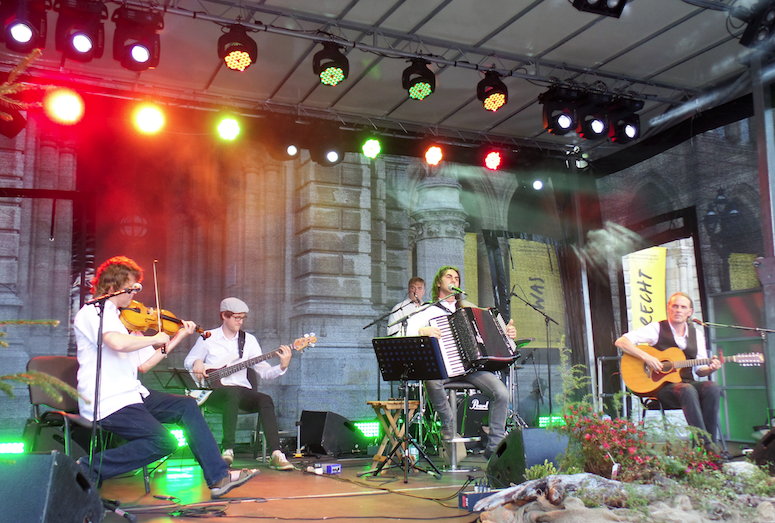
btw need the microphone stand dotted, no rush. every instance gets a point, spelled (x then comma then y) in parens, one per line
(763, 334)
(547, 319)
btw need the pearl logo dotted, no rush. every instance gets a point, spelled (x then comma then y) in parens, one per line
(475, 405)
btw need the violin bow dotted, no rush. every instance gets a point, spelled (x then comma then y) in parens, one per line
(158, 305)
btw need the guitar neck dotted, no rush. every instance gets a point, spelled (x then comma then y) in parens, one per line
(228, 371)
(694, 363)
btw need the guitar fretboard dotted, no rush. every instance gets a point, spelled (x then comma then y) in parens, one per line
(228, 371)
(707, 361)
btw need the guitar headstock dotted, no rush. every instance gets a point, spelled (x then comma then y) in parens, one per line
(308, 340)
(751, 359)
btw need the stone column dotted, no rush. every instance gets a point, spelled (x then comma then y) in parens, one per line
(439, 222)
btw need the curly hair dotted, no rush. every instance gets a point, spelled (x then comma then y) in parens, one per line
(113, 273)
(437, 280)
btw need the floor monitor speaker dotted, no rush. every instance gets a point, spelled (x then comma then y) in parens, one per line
(327, 433)
(47, 488)
(520, 450)
(764, 452)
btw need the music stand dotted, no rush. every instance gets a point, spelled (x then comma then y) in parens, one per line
(404, 359)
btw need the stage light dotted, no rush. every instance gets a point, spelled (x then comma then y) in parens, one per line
(612, 8)
(493, 160)
(63, 106)
(149, 119)
(538, 185)
(330, 64)
(625, 129)
(25, 24)
(80, 33)
(418, 80)
(492, 92)
(593, 116)
(228, 128)
(371, 148)
(237, 49)
(136, 40)
(559, 112)
(761, 22)
(433, 155)
(327, 143)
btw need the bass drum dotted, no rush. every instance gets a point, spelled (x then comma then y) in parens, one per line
(472, 415)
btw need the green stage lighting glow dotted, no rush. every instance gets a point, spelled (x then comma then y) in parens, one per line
(370, 429)
(12, 447)
(180, 436)
(371, 148)
(331, 76)
(550, 421)
(420, 91)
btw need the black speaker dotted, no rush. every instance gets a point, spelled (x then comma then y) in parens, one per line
(327, 433)
(764, 452)
(472, 413)
(47, 488)
(520, 450)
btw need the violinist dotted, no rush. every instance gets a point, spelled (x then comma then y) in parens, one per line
(125, 407)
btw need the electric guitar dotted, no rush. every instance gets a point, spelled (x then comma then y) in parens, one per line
(641, 380)
(215, 371)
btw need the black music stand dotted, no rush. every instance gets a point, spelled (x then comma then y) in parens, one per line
(404, 359)
(175, 378)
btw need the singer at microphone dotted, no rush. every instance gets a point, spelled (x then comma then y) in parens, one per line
(456, 290)
(415, 294)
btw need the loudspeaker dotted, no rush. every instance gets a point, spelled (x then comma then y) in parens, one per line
(47, 488)
(764, 452)
(520, 450)
(327, 433)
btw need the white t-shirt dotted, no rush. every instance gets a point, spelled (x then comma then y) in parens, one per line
(219, 351)
(119, 385)
(409, 307)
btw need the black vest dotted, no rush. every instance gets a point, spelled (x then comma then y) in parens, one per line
(667, 340)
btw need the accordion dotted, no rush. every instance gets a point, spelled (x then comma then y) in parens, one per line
(474, 339)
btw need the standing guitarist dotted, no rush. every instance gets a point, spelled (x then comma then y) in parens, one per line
(699, 400)
(227, 344)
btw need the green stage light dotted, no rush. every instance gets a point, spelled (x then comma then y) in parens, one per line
(418, 80)
(12, 447)
(370, 429)
(228, 129)
(371, 148)
(550, 421)
(330, 64)
(180, 436)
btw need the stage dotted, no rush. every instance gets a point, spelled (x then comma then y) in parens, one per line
(297, 495)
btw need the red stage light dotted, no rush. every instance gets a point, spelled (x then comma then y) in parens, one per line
(493, 160)
(149, 119)
(63, 106)
(433, 155)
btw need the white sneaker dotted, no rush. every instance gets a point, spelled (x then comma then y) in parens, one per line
(280, 462)
(228, 456)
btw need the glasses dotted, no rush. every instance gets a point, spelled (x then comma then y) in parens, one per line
(238, 318)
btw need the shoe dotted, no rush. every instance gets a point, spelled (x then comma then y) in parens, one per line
(280, 462)
(228, 456)
(235, 478)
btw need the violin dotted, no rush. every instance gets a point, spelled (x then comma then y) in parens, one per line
(138, 317)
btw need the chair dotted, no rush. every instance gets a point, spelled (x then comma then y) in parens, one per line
(452, 388)
(65, 411)
(653, 403)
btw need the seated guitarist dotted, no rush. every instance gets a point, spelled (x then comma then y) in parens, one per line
(227, 344)
(698, 399)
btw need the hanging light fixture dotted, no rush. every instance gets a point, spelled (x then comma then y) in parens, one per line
(559, 112)
(330, 64)
(611, 8)
(80, 33)
(237, 49)
(492, 92)
(136, 41)
(24, 24)
(418, 80)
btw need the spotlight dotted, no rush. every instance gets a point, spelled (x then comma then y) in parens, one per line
(433, 155)
(25, 24)
(149, 118)
(136, 40)
(327, 145)
(761, 23)
(624, 123)
(283, 138)
(418, 79)
(492, 92)
(593, 116)
(228, 128)
(560, 109)
(11, 121)
(80, 33)
(612, 8)
(63, 106)
(493, 160)
(371, 148)
(538, 185)
(330, 64)
(237, 49)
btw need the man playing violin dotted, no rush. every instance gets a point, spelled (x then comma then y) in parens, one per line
(230, 343)
(699, 400)
(125, 407)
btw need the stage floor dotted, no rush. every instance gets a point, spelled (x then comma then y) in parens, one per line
(298, 495)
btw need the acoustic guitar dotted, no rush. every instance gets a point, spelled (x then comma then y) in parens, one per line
(640, 379)
(216, 371)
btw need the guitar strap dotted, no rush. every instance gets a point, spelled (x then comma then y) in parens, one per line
(241, 343)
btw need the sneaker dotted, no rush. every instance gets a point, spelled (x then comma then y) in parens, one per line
(235, 478)
(228, 456)
(280, 462)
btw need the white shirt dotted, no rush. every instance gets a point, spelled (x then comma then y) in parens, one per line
(649, 335)
(218, 351)
(423, 318)
(406, 307)
(119, 385)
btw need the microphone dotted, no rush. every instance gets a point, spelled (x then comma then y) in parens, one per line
(136, 287)
(456, 290)
(417, 298)
(698, 322)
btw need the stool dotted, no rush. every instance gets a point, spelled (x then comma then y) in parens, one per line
(389, 416)
(452, 388)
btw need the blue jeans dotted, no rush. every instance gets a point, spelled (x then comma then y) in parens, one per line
(148, 440)
(491, 386)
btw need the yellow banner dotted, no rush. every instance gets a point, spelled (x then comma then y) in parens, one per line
(537, 277)
(647, 286)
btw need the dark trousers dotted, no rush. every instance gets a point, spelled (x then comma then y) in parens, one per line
(229, 400)
(699, 401)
